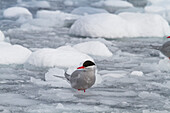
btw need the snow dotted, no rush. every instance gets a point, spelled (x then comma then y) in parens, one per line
(18, 12)
(160, 7)
(64, 56)
(112, 5)
(87, 10)
(13, 54)
(95, 48)
(136, 73)
(122, 25)
(2, 37)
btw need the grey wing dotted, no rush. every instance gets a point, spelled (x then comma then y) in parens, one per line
(67, 76)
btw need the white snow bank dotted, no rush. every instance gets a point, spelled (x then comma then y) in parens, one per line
(95, 48)
(87, 10)
(122, 25)
(160, 7)
(18, 12)
(13, 54)
(64, 56)
(136, 73)
(112, 5)
(2, 37)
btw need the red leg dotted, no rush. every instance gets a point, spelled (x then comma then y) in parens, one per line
(78, 89)
(169, 58)
(84, 90)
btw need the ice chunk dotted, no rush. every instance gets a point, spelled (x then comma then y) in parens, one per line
(160, 7)
(112, 5)
(13, 54)
(122, 25)
(55, 77)
(60, 106)
(87, 10)
(164, 64)
(64, 56)
(137, 73)
(2, 37)
(34, 3)
(95, 48)
(18, 12)
(57, 18)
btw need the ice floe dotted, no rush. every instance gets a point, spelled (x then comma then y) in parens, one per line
(2, 37)
(87, 10)
(22, 14)
(122, 25)
(95, 48)
(112, 5)
(13, 54)
(64, 56)
(160, 7)
(136, 73)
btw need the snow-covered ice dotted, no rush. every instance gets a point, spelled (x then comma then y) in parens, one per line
(2, 37)
(133, 79)
(13, 54)
(122, 25)
(112, 5)
(64, 56)
(21, 13)
(87, 11)
(95, 48)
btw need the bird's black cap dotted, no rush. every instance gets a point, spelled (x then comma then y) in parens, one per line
(88, 63)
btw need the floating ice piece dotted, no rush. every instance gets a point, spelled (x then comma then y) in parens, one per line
(112, 5)
(160, 7)
(35, 4)
(59, 106)
(137, 73)
(164, 65)
(87, 10)
(2, 37)
(18, 12)
(122, 25)
(64, 56)
(55, 18)
(13, 54)
(95, 48)
(55, 77)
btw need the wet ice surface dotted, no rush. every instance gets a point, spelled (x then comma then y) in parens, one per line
(122, 88)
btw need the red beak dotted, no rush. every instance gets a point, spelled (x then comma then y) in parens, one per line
(82, 67)
(168, 37)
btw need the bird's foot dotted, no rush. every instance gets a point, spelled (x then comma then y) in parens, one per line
(82, 89)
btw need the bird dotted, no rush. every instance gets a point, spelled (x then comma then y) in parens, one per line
(165, 48)
(83, 77)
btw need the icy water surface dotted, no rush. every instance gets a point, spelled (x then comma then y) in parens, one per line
(22, 87)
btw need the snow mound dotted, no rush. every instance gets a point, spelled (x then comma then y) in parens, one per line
(112, 5)
(2, 37)
(13, 54)
(18, 12)
(95, 48)
(160, 7)
(122, 25)
(87, 10)
(136, 73)
(64, 56)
